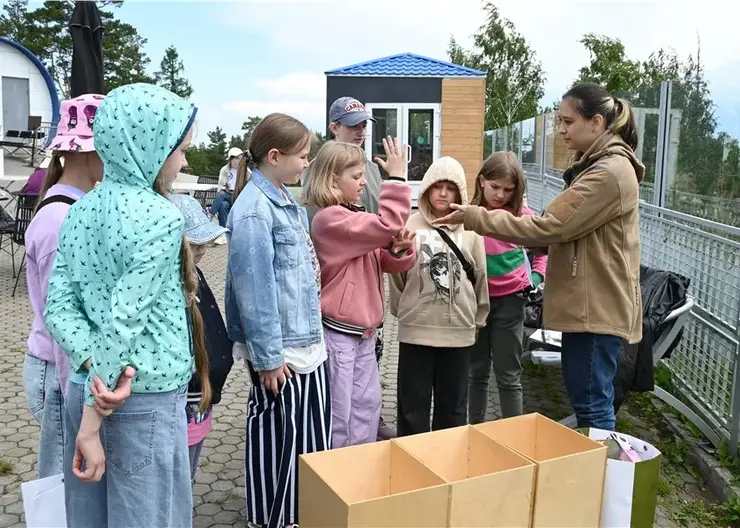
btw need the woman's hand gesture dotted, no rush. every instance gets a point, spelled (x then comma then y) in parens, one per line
(395, 158)
(456, 217)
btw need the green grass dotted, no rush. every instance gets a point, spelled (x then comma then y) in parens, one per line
(232, 495)
(6, 467)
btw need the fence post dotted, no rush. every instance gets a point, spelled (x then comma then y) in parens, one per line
(543, 158)
(734, 424)
(661, 153)
(520, 125)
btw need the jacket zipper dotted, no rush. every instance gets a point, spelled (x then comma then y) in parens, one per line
(575, 259)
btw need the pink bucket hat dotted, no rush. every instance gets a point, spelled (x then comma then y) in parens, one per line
(75, 127)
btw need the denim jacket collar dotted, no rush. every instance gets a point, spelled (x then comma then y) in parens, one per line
(269, 189)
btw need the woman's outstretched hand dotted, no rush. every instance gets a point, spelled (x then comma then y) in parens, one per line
(456, 217)
(395, 157)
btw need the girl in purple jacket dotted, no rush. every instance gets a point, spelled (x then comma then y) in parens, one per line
(46, 368)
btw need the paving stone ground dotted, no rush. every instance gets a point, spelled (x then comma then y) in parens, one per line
(219, 488)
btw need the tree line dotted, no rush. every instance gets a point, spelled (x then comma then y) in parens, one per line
(708, 160)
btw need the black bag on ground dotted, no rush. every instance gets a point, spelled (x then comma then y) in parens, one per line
(662, 292)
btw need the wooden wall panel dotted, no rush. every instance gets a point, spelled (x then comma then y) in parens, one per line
(463, 113)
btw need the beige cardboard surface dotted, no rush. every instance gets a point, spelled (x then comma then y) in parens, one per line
(375, 485)
(570, 468)
(491, 485)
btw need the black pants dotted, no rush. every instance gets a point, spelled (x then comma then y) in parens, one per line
(423, 370)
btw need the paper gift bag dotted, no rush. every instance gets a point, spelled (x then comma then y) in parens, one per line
(631, 488)
(43, 502)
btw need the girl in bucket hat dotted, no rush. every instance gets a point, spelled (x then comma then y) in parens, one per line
(121, 296)
(46, 367)
(201, 234)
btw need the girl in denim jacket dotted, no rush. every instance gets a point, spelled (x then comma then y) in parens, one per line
(274, 317)
(355, 248)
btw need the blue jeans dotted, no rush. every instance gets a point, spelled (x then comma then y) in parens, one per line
(46, 404)
(589, 363)
(147, 467)
(221, 206)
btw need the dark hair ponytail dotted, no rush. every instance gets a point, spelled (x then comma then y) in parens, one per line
(591, 100)
(53, 174)
(242, 174)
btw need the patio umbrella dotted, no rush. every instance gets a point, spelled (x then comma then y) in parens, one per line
(86, 29)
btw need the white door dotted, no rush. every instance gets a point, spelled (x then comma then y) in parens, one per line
(16, 106)
(421, 132)
(417, 125)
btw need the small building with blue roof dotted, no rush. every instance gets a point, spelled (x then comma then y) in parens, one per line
(434, 106)
(26, 90)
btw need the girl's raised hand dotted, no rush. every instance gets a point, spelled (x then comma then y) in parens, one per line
(395, 158)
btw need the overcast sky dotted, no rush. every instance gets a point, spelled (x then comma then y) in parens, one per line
(251, 58)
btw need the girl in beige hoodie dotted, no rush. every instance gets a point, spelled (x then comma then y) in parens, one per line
(440, 303)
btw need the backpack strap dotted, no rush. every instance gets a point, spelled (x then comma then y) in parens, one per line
(56, 198)
(467, 266)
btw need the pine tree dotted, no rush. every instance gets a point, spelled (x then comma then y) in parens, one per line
(171, 74)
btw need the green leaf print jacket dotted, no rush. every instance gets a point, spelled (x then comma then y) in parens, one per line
(115, 293)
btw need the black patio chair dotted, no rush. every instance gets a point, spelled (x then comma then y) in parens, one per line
(23, 216)
(7, 227)
(206, 197)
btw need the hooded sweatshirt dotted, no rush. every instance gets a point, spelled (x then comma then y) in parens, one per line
(593, 231)
(435, 302)
(115, 293)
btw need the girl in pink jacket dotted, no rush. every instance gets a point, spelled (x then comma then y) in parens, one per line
(500, 185)
(354, 249)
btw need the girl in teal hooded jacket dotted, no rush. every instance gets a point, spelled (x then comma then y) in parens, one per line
(119, 296)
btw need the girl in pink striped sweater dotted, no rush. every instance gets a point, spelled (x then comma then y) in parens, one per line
(500, 185)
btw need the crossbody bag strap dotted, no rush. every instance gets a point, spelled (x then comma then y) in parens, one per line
(56, 198)
(467, 266)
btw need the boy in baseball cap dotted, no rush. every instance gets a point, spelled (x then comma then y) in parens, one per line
(347, 122)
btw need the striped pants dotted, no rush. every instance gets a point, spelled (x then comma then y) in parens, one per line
(280, 428)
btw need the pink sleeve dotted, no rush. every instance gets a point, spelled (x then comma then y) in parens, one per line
(361, 233)
(391, 263)
(539, 263)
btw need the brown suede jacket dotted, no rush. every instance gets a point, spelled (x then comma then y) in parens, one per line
(592, 229)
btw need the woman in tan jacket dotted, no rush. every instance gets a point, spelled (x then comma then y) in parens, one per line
(593, 234)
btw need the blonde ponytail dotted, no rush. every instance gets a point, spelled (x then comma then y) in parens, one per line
(190, 281)
(624, 122)
(189, 278)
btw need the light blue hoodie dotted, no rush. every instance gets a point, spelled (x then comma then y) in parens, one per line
(115, 292)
